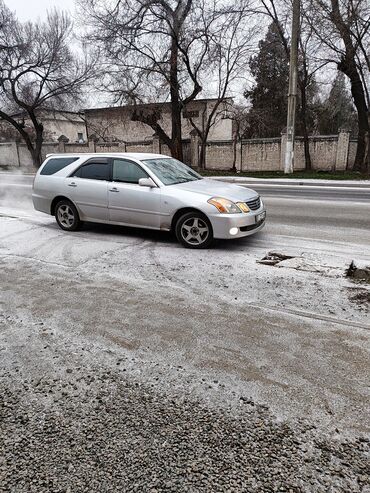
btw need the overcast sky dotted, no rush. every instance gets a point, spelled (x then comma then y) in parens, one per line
(32, 9)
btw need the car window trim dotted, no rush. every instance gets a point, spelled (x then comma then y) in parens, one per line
(130, 161)
(97, 160)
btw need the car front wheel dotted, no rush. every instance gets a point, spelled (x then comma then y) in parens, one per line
(67, 216)
(194, 230)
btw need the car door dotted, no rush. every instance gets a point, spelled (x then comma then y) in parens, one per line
(128, 202)
(88, 188)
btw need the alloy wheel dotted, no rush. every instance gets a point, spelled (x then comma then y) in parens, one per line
(194, 231)
(66, 216)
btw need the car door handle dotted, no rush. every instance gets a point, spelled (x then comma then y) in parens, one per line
(72, 184)
(114, 189)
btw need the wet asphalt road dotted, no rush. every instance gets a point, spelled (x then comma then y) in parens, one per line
(327, 194)
(341, 192)
(326, 212)
(309, 192)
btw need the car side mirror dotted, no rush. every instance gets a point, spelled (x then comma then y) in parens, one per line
(147, 182)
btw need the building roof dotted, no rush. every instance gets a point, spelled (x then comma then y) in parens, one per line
(52, 110)
(149, 105)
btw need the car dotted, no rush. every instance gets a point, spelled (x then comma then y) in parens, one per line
(143, 190)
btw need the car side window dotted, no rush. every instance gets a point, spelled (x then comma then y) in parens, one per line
(94, 171)
(127, 171)
(56, 164)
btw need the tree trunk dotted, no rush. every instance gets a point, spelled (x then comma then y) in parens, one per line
(35, 148)
(236, 137)
(176, 134)
(233, 168)
(36, 153)
(348, 67)
(203, 153)
(36, 156)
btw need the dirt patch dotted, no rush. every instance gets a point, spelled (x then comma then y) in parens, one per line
(359, 270)
(361, 297)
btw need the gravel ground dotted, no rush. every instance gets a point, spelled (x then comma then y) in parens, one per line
(130, 364)
(97, 430)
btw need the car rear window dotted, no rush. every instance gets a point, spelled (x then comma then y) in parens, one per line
(56, 164)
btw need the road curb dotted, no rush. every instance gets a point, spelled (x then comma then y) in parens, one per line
(292, 182)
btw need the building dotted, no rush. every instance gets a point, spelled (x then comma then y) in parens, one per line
(56, 123)
(115, 124)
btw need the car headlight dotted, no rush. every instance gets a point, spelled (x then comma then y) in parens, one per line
(226, 206)
(243, 207)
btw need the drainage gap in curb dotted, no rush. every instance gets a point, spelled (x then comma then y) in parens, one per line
(273, 258)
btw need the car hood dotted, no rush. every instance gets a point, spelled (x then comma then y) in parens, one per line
(215, 188)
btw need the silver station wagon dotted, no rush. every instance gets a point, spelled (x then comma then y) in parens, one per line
(147, 191)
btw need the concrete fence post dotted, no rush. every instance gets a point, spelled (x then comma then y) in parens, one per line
(194, 149)
(238, 156)
(92, 145)
(282, 150)
(341, 157)
(62, 141)
(156, 145)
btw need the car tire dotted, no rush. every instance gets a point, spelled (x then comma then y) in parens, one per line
(194, 230)
(67, 216)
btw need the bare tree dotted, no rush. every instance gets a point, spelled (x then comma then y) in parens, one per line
(141, 41)
(239, 116)
(39, 70)
(7, 20)
(228, 40)
(344, 28)
(166, 50)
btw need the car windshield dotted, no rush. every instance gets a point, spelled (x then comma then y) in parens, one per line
(171, 171)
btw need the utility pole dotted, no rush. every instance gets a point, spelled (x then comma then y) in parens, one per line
(292, 94)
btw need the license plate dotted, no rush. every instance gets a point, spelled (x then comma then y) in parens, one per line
(260, 217)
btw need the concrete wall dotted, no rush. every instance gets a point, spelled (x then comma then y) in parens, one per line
(352, 152)
(327, 152)
(8, 154)
(219, 155)
(260, 154)
(74, 147)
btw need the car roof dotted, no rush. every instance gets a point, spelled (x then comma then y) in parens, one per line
(135, 155)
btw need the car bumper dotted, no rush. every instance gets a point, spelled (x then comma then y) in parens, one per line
(229, 226)
(41, 203)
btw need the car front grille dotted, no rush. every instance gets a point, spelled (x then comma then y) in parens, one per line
(254, 204)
